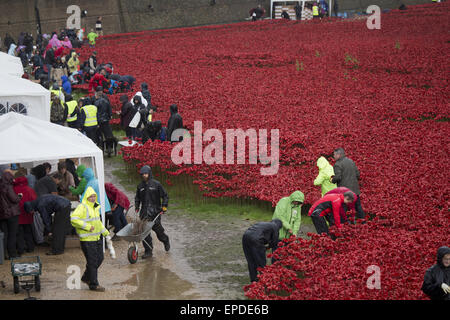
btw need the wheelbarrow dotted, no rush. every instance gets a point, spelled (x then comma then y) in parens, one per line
(126, 233)
(26, 272)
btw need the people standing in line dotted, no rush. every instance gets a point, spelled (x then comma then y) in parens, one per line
(50, 60)
(74, 65)
(86, 220)
(47, 205)
(146, 94)
(256, 240)
(325, 173)
(288, 210)
(67, 181)
(127, 113)
(148, 199)
(25, 240)
(88, 120)
(119, 202)
(346, 174)
(72, 112)
(93, 61)
(104, 115)
(175, 122)
(328, 208)
(436, 283)
(58, 111)
(9, 213)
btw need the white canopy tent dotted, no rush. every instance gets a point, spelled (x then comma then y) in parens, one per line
(9, 58)
(34, 97)
(25, 139)
(10, 65)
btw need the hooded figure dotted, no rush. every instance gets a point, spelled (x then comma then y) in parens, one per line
(83, 182)
(145, 93)
(436, 283)
(67, 86)
(325, 173)
(25, 233)
(55, 42)
(126, 114)
(143, 100)
(73, 63)
(254, 242)
(148, 198)
(288, 210)
(12, 50)
(86, 220)
(92, 182)
(175, 121)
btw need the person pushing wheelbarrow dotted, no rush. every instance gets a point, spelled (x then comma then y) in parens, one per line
(149, 193)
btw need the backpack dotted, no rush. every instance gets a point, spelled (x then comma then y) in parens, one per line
(56, 112)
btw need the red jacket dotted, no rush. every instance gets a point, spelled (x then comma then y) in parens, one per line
(21, 186)
(327, 204)
(97, 80)
(116, 196)
(342, 190)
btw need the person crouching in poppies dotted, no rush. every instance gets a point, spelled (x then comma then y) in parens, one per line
(328, 209)
(256, 240)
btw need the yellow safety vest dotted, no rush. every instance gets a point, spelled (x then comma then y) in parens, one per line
(149, 118)
(315, 11)
(71, 105)
(91, 115)
(87, 215)
(56, 92)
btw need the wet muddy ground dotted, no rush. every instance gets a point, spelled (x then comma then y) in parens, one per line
(205, 261)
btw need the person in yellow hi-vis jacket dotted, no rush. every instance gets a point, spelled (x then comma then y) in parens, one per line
(87, 222)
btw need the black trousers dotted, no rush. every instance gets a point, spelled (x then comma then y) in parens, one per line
(160, 234)
(91, 133)
(105, 130)
(73, 124)
(255, 253)
(61, 226)
(320, 223)
(93, 252)
(10, 227)
(358, 208)
(25, 240)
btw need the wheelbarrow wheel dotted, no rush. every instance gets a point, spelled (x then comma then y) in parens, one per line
(132, 255)
(37, 283)
(16, 285)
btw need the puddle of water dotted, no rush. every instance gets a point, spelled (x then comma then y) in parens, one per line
(155, 283)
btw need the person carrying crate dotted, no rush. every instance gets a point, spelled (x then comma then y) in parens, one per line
(86, 220)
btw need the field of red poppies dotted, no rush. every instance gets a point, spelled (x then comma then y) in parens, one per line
(383, 95)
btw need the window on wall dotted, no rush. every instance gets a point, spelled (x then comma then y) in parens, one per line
(14, 107)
